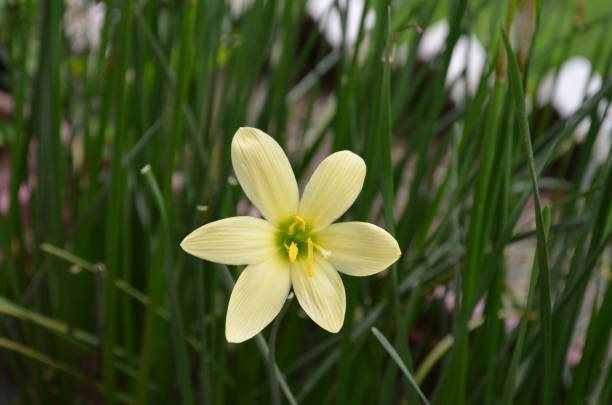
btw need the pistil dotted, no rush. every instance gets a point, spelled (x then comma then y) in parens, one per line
(297, 220)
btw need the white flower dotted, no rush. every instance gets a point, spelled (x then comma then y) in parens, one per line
(238, 7)
(329, 19)
(468, 57)
(83, 22)
(574, 82)
(433, 40)
(296, 245)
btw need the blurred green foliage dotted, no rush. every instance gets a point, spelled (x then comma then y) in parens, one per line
(496, 299)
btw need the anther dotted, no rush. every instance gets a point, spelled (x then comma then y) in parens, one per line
(325, 253)
(293, 252)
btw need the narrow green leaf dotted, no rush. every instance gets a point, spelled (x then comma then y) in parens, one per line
(395, 356)
(542, 249)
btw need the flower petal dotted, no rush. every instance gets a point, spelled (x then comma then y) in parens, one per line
(321, 295)
(264, 172)
(257, 297)
(236, 240)
(332, 189)
(359, 248)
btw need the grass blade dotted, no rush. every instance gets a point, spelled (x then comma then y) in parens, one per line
(542, 249)
(395, 356)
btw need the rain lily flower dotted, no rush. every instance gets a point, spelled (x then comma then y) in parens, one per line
(433, 40)
(239, 7)
(574, 82)
(468, 56)
(566, 92)
(296, 245)
(328, 15)
(83, 23)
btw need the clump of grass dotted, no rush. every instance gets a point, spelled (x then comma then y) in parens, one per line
(503, 289)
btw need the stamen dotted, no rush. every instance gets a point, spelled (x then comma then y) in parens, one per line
(309, 257)
(297, 220)
(293, 252)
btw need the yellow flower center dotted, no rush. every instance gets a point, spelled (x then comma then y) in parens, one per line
(297, 240)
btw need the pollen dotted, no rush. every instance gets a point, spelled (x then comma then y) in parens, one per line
(293, 252)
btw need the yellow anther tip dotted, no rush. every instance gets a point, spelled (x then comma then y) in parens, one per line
(293, 252)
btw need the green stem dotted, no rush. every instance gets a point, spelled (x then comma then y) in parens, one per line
(274, 384)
